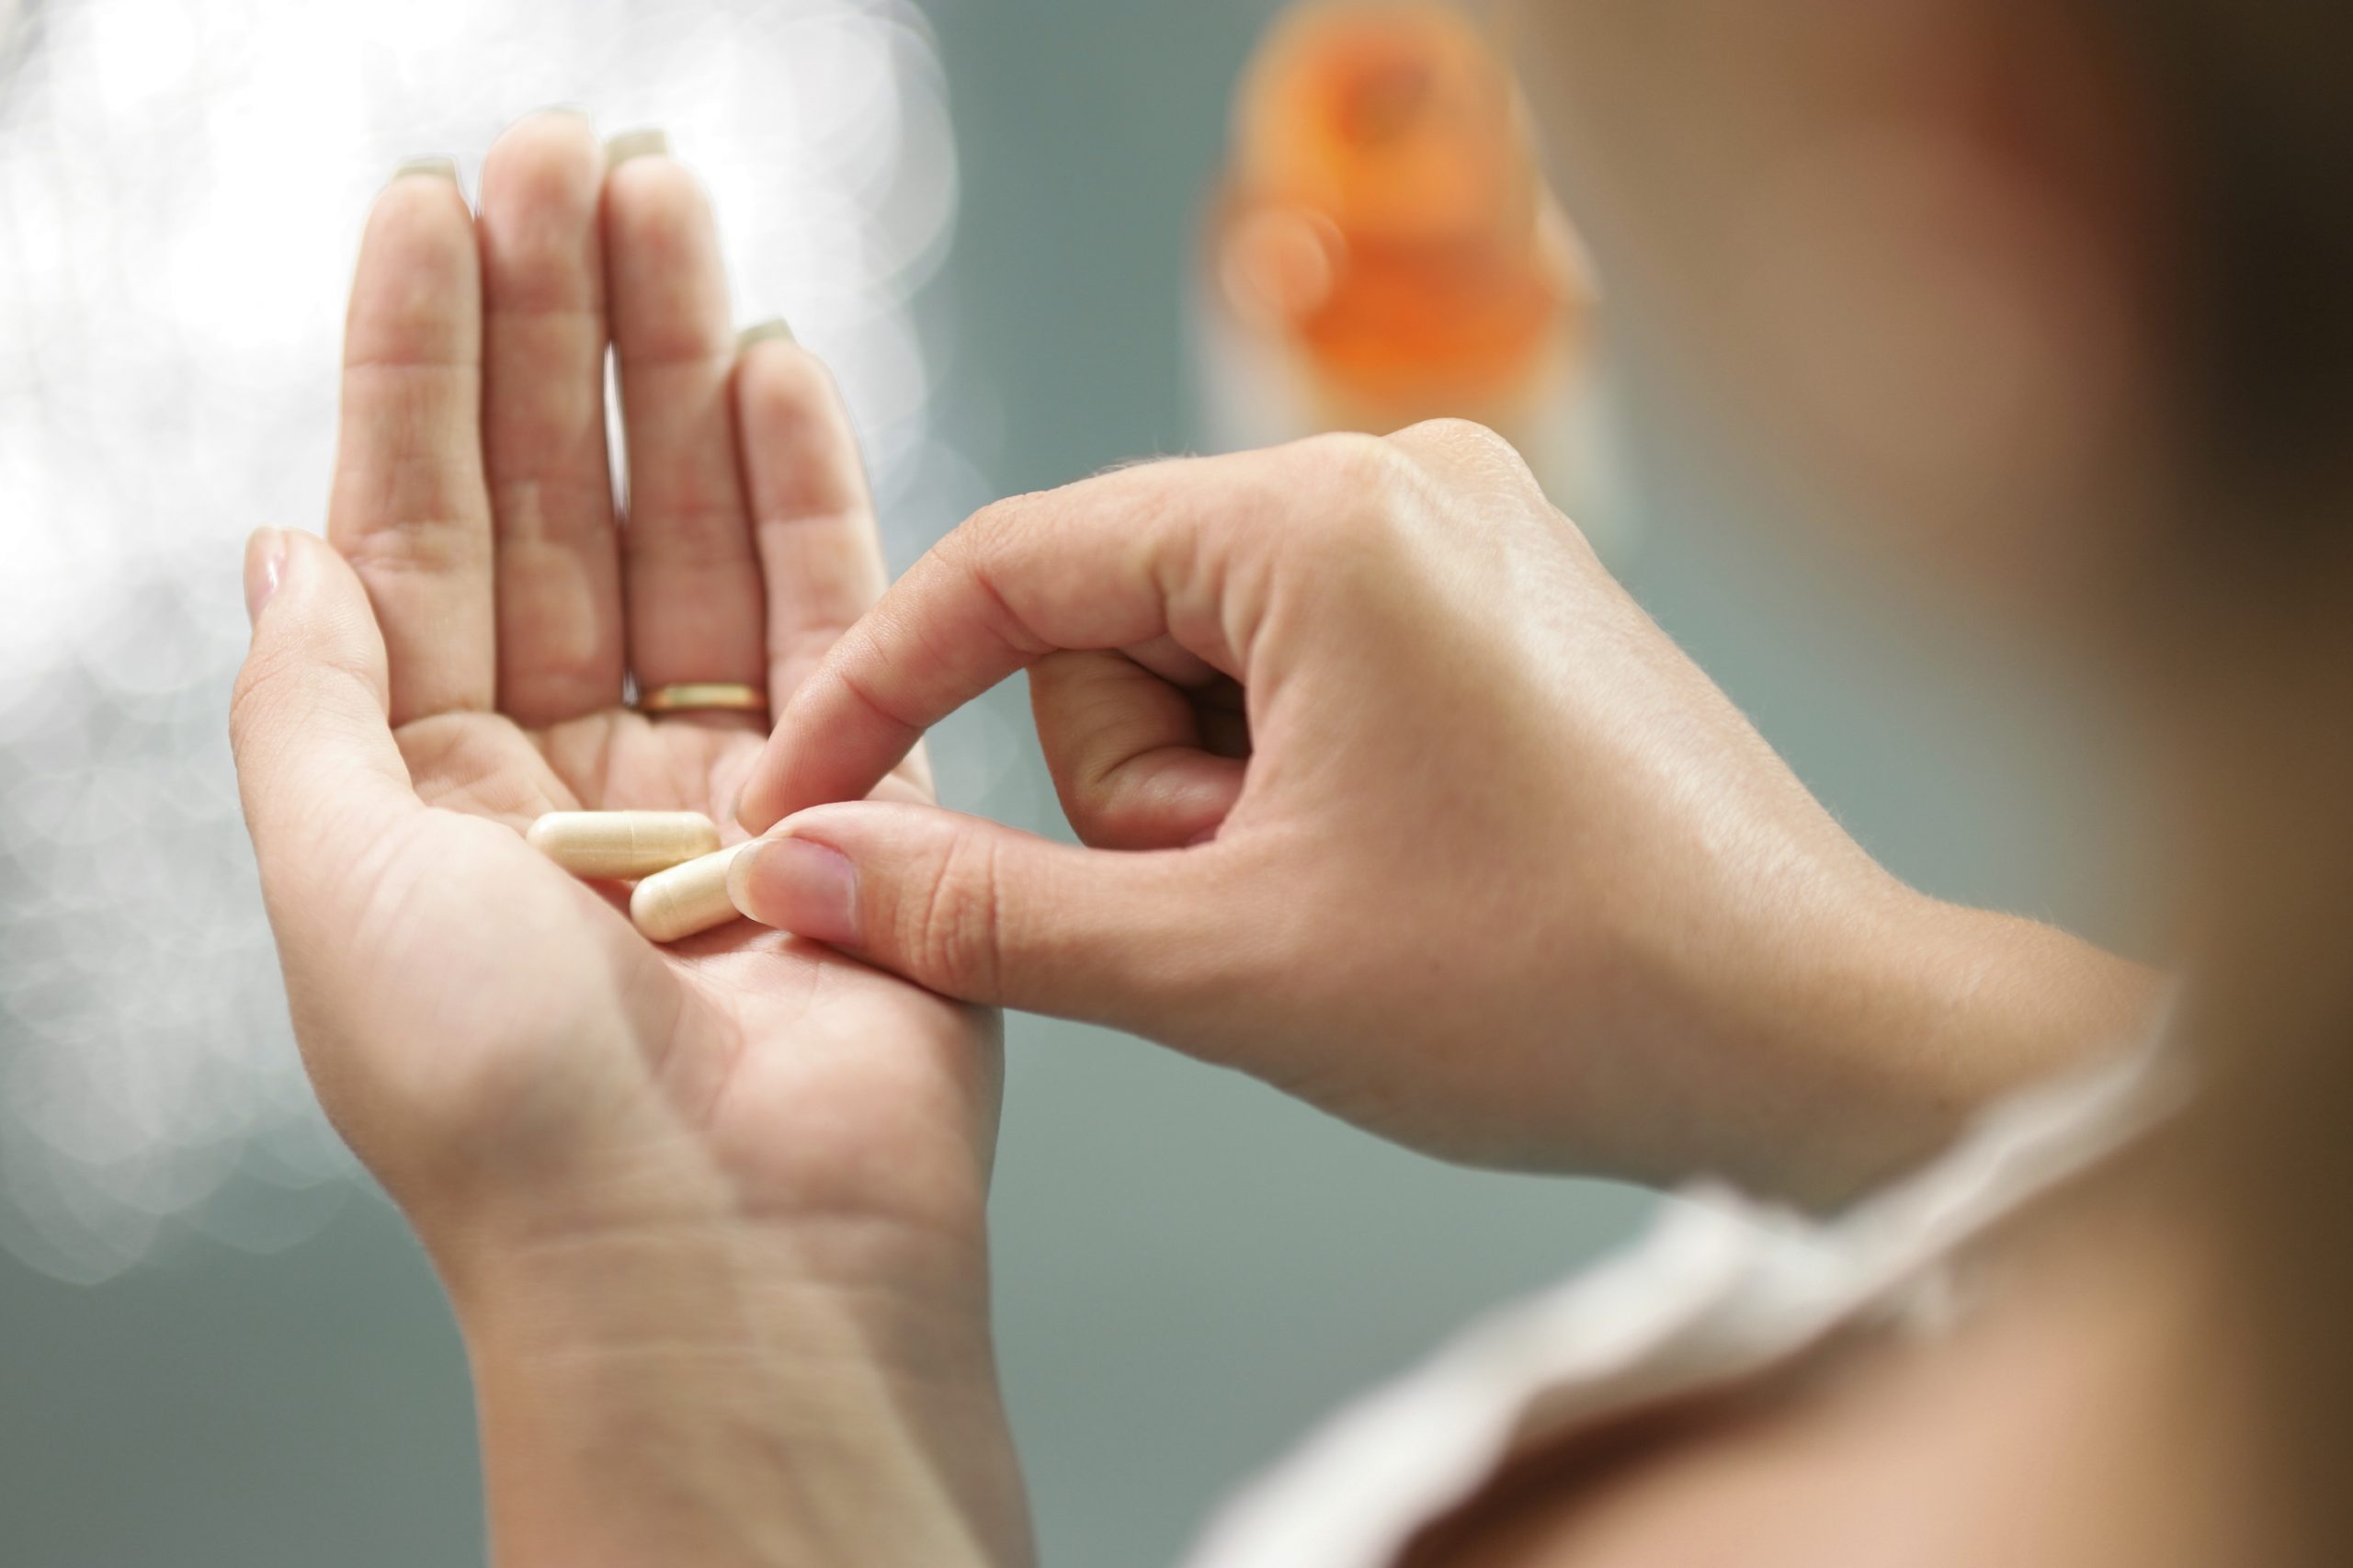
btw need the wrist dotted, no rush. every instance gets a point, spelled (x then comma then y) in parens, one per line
(729, 1392)
(1925, 1012)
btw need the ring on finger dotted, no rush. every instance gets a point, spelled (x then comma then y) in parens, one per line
(704, 696)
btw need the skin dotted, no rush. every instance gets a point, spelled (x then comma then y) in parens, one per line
(711, 1215)
(1709, 975)
(2058, 1425)
(1913, 259)
(1385, 792)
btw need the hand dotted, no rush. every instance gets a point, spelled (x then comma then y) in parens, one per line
(711, 1215)
(1417, 815)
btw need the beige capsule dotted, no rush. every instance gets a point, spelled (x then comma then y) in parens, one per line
(623, 843)
(676, 904)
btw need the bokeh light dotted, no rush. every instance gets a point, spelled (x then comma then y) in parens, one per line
(181, 189)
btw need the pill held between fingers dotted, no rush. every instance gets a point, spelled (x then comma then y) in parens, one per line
(676, 904)
(623, 843)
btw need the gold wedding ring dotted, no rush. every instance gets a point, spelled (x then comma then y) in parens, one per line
(704, 696)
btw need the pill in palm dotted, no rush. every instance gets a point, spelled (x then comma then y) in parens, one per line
(676, 904)
(623, 843)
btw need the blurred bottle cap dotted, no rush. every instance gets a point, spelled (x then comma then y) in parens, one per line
(1393, 119)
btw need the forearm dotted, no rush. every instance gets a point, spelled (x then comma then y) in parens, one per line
(699, 1397)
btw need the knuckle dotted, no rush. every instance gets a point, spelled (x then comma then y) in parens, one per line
(1454, 435)
(983, 539)
(257, 696)
(1086, 784)
(953, 937)
(1474, 451)
(972, 544)
(1351, 462)
(1338, 492)
(431, 542)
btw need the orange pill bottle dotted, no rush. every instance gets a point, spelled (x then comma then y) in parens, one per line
(1383, 247)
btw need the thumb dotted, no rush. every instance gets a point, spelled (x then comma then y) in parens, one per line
(307, 722)
(981, 913)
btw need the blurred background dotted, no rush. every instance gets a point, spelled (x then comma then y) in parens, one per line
(1019, 232)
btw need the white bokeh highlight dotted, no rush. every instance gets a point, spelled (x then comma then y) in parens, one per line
(182, 183)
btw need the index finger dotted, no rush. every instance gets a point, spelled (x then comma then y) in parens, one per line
(1108, 563)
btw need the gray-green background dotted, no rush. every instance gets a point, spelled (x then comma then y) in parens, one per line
(1190, 1268)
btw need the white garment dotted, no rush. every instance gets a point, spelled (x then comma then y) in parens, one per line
(1720, 1290)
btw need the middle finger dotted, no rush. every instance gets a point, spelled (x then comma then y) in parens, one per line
(692, 580)
(543, 421)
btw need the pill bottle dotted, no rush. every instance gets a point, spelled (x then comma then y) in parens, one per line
(1381, 247)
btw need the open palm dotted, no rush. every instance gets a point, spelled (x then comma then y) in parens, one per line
(782, 1128)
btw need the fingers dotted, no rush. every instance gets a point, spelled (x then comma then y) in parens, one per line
(316, 762)
(1128, 754)
(984, 914)
(813, 523)
(409, 508)
(559, 597)
(1114, 561)
(691, 583)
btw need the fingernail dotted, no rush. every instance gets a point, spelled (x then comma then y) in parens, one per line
(760, 332)
(431, 168)
(265, 568)
(808, 889)
(646, 142)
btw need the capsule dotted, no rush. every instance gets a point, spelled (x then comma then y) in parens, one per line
(676, 904)
(623, 843)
